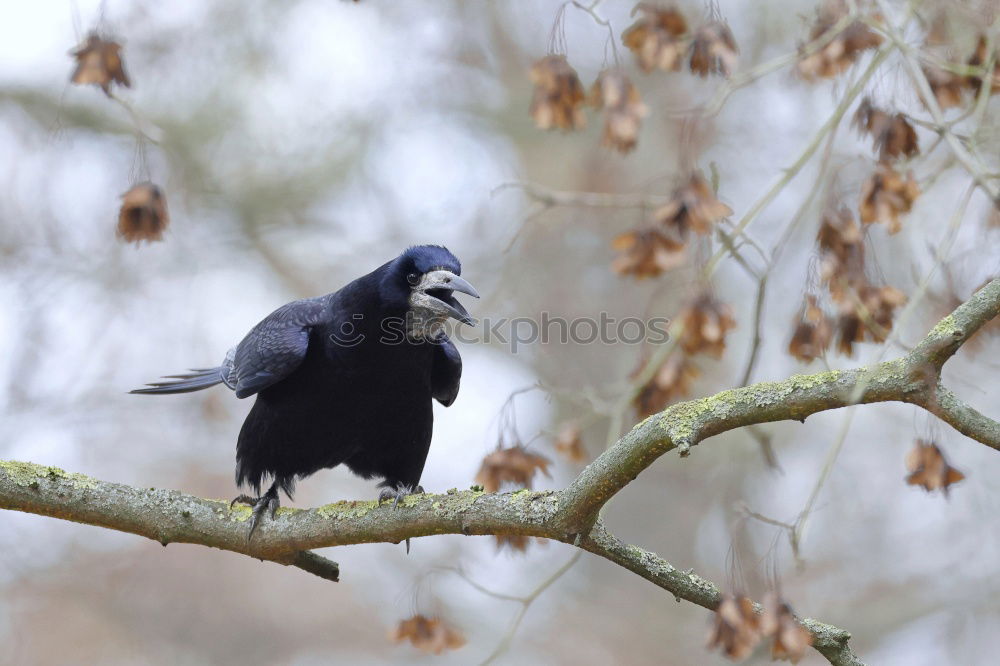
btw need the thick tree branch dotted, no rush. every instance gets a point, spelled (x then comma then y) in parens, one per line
(569, 515)
(830, 641)
(913, 378)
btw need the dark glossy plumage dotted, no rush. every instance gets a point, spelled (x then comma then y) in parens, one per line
(336, 380)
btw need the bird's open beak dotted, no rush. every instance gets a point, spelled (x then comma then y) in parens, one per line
(448, 307)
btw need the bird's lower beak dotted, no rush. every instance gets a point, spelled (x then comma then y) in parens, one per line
(457, 311)
(445, 307)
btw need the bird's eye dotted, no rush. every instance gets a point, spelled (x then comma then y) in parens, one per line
(413, 278)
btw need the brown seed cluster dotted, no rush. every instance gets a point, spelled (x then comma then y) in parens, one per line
(842, 49)
(867, 316)
(647, 253)
(813, 332)
(658, 38)
(949, 87)
(513, 465)
(892, 134)
(569, 443)
(430, 635)
(99, 62)
(737, 629)
(928, 468)
(672, 381)
(980, 58)
(558, 98)
(692, 207)
(886, 195)
(143, 214)
(863, 311)
(791, 639)
(623, 109)
(704, 323)
(714, 50)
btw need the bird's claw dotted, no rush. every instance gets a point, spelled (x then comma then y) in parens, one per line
(267, 502)
(399, 492)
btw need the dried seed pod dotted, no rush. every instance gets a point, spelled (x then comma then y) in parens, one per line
(886, 195)
(705, 321)
(692, 207)
(430, 635)
(813, 332)
(558, 96)
(658, 38)
(928, 468)
(671, 381)
(647, 253)
(143, 214)
(511, 465)
(623, 109)
(99, 62)
(840, 52)
(714, 50)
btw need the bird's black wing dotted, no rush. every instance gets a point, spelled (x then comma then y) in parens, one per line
(446, 374)
(274, 348)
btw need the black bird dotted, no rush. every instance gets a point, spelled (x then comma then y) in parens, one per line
(345, 378)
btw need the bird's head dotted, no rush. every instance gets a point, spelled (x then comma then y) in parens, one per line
(425, 277)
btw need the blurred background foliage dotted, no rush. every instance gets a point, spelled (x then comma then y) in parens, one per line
(300, 144)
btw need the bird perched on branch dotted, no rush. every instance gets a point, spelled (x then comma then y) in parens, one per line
(345, 378)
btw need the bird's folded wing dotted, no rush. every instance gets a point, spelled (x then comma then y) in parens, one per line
(274, 348)
(446, 373)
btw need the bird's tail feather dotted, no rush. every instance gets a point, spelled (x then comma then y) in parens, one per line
(196, 380)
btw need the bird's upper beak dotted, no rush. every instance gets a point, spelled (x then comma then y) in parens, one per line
(447, 307)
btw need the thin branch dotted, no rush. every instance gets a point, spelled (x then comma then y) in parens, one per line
(526, 602)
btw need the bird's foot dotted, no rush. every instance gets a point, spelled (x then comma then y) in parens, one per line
(399, 492)
(267, 502)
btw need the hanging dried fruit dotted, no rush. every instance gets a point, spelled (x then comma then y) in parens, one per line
(143, 214)
(980, 58)
(671, 381)
(569, 443)
(558, 97)
(928, 468)
(623, 109)
(714, 50)
(813, 332)
(658, 38)
(99, 62)
(705, 321)
(886, 195)
(868, 315)
(893, 134)
(692, 207)
(791, 639)
(430, 635)
(647, 253)
(842, 50)
(842, 253)
(735, 628)
(511, 465)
